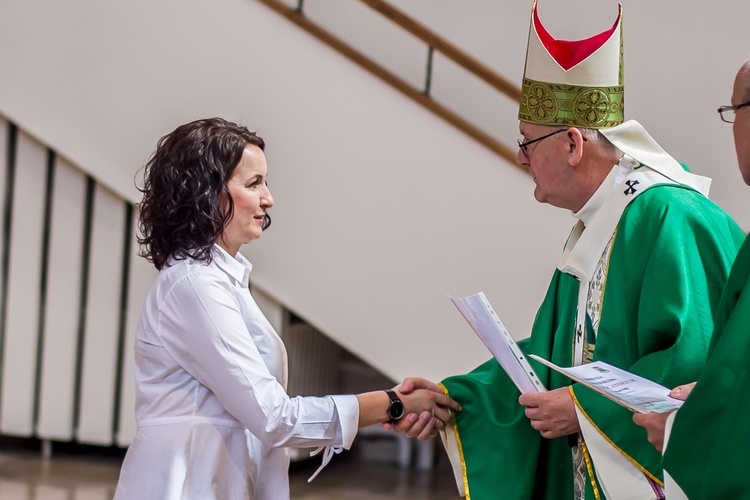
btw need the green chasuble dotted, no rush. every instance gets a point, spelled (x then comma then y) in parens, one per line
(668, 263)
(707, 450)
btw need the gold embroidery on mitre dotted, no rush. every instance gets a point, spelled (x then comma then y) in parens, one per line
(573, 105)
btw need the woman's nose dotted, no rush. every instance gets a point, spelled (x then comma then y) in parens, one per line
(267, 199)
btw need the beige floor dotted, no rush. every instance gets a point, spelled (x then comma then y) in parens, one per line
(77, 475)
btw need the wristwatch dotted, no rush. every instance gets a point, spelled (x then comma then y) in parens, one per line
(396, 409)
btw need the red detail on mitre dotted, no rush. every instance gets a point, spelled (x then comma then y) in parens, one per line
(568, 53)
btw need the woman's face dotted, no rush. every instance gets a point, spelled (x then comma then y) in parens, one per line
(251, 198)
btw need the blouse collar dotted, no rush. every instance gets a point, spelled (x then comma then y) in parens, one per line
(238, 267)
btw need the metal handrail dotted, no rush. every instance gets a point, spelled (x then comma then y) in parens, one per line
(450, 51)
(434, 41)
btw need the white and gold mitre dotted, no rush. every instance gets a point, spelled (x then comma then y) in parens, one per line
(575, 83)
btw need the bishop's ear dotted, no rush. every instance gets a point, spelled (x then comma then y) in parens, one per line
(575, 145)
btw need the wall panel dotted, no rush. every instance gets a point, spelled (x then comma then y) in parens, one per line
(101, 334)
(19, 367)
(63, 304)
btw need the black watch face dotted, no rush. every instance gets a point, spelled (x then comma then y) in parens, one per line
(396, 410)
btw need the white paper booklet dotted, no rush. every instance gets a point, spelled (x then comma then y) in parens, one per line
(478, 312)
(631, 391)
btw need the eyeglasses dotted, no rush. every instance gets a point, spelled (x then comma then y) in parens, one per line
(524, 145)
(727, 112)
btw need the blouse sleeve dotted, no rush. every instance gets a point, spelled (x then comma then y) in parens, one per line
(202, 328)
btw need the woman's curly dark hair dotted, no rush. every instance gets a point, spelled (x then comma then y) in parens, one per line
(186, 204)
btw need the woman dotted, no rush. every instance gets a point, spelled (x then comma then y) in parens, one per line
(214, 420)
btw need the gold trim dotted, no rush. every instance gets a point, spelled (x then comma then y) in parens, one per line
(608, 249)
(605, 277)
(589, 467)
(606, 438)
(454, 426)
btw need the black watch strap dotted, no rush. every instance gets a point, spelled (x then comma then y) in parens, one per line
(396, 408)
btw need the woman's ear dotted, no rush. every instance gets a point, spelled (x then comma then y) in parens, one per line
(575, 146)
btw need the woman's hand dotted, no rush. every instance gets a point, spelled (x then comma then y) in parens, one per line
(428, 409)
(425, 405)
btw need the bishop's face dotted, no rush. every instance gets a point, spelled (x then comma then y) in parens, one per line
(546, 161)
(741, 125)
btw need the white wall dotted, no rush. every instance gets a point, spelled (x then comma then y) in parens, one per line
(381, 208)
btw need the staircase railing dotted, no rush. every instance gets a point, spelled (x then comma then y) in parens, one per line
(434, 43)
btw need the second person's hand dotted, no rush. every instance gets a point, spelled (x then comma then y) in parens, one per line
(423, 424)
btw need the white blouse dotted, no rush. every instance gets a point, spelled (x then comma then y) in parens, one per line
(214, 419)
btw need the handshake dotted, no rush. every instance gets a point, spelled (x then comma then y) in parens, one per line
(427, 409)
